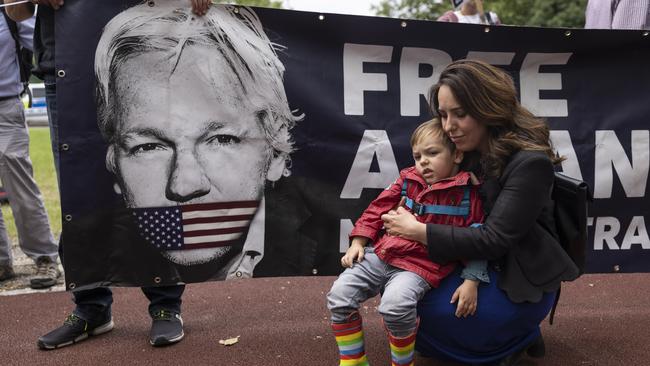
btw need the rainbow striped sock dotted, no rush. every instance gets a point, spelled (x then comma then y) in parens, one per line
(349, 338)
(402, 350)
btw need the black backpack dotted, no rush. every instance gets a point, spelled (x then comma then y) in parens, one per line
(571, 198)
(25, 56)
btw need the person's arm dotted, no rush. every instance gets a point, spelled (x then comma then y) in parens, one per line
(26, 33)
(598, 15)
(630, 14)
(370, 223)
(448, 16)
(476, 270)
(515, 211)
(19, 12)
(355, 252)
(400, 222)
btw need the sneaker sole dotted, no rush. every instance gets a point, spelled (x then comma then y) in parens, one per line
(42, 283)
(165, 341)
(104, 328)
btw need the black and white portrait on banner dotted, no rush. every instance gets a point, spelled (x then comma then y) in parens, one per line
(256, 137)
(197, 120)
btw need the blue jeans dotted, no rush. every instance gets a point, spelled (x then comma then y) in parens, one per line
(95, 304)
(400, 289)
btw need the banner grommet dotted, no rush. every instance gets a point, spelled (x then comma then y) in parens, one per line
(403, 24)
(151, 3)
(486, 30)
(72, 286)
(60, 73)
(68, 218)
(157, 279)
(567, 33)
(65, 147)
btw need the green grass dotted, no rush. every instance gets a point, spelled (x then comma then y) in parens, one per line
(45, 175)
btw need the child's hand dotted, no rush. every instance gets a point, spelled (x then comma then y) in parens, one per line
(354, 253)
(466, 295)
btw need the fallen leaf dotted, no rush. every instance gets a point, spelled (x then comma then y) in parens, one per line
(229, 341)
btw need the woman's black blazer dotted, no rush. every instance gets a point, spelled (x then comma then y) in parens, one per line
(519, 235)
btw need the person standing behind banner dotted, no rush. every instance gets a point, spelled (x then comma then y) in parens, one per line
(478, 106)
(33, 226)
(92, 313)
(471, 12)
(618, 14)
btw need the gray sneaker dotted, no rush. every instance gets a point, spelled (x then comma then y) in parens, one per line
(74, 330)
(6, 273)
(166, 328)
(47, 272)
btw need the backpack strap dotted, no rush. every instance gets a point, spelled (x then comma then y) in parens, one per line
(420, 209)
(489, 19)
(404, 189)
(557, 299)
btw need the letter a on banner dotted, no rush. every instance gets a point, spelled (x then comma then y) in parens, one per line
(373, 142)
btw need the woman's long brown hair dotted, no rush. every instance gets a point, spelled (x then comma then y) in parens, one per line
(488, 94)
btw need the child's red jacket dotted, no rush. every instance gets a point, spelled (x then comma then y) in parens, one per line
(411, 255)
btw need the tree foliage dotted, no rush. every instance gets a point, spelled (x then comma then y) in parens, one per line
(541, 13)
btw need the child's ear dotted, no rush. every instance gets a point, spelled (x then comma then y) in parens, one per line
(458, 156)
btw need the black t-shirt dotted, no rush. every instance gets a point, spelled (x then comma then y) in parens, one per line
(44, 42)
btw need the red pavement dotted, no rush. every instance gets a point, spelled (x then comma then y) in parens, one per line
(601, 320)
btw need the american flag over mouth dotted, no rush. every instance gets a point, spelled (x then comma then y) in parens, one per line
(195, 226)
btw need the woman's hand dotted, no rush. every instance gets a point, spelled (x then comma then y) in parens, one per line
(466, 295)
(200, 7)
(401, 223)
